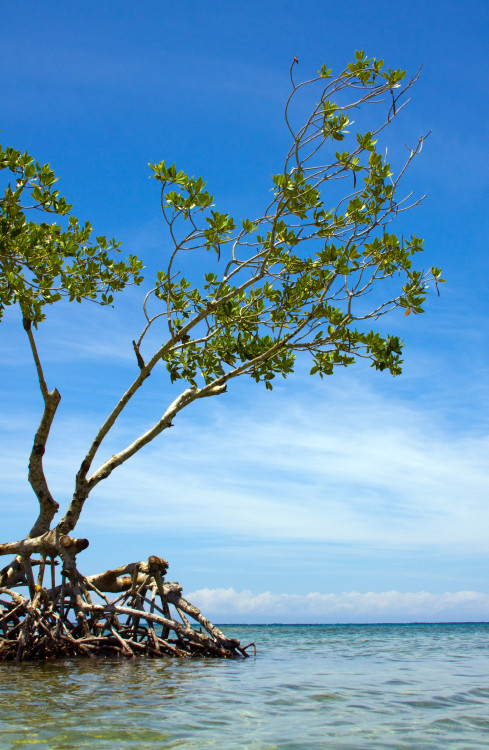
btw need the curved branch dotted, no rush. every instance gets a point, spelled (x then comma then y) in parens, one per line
(48, 506)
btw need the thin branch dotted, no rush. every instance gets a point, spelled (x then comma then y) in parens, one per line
(27, 323)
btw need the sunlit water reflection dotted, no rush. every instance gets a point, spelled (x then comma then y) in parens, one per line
(414, 686)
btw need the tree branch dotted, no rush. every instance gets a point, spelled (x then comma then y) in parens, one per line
(51, 543)
(48, 506)
(74, 510)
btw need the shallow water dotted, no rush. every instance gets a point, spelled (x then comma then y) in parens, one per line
(345, 686)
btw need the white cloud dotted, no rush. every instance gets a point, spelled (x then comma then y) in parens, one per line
(228, 605)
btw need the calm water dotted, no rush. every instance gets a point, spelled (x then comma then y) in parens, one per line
(380, 686)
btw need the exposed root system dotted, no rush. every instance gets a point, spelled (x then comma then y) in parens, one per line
(76, 618)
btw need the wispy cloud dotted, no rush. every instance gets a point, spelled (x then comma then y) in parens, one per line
(228, 605)
(356, 466)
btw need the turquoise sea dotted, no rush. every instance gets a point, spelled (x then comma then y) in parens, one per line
(310, 686)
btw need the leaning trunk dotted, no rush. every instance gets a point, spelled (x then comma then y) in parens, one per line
(62, 613)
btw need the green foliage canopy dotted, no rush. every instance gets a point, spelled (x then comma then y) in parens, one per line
(298, 277)
(41, 263)
(307, 276)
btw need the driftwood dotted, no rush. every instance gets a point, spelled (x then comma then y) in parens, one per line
(73, 616)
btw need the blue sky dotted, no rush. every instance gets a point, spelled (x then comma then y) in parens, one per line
(268, 506)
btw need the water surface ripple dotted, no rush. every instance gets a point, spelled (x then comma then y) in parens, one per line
(314, 686)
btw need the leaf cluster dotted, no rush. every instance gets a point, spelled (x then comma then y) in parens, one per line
(42, 262)
(298, 278)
